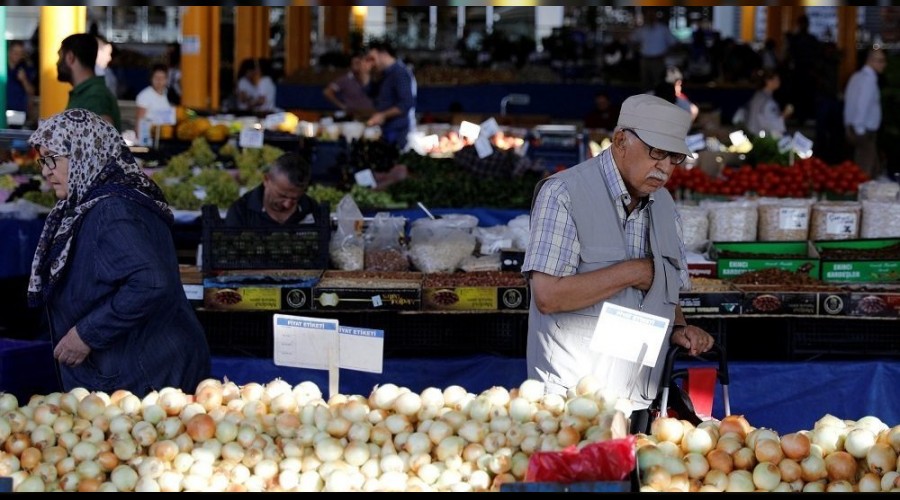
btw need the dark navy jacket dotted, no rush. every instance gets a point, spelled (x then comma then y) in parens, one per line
(122, 289)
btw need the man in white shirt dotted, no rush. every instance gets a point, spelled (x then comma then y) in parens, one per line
(862, 112)
(154, 98)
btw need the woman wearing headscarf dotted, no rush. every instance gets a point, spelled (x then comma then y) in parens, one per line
(106, 269)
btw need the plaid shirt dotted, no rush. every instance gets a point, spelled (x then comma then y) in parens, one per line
(554, 248)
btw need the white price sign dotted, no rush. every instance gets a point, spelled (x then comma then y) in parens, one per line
(645, 333)
(251, 137)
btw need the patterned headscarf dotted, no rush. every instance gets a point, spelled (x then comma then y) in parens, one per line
(100, 165)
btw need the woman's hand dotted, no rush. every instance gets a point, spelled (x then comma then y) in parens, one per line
(71, 350)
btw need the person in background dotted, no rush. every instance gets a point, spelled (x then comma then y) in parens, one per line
(106, 269)
(173, 61)
(101, 66)
(604, 114)
(255, 89)
(20, 84)
(654, 40)
(280, 200)
(395, 103)
(155, 97)
(862, 112)
(764, 114)
(77, 56)
(351, 92)
(606, 230)
(676, 80)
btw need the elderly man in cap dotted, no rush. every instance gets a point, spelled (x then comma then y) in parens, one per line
(606, 231)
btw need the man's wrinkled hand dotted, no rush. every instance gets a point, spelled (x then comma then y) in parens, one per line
(71, 350)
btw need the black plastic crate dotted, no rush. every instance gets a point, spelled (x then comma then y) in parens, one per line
(303, 246)
(847, 337)
(406, 335)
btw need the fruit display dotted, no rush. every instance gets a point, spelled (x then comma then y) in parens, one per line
(282, 437)
(732, 456)
(806, 177)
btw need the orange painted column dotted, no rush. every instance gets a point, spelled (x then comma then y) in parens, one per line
(337, 24)
(56, 24)
(846, 42)
(200, 57)
(297, 49)
(251, 34)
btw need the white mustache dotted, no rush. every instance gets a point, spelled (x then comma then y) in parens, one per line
(659, 176)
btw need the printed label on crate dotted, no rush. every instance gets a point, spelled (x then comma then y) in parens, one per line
(365, 298)
(793, 218)
(861, 272)
(841, 224)
(475, 298)
(710, 303)
(875, 304)
(833, 304)
(729, 268)
(296, 298)
(801, 304)
(267, 299)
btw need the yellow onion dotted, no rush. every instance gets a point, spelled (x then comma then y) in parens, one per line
(840, 465)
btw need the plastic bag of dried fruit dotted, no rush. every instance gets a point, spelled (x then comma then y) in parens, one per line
(347, 248)
(385, 248)
(436, 245)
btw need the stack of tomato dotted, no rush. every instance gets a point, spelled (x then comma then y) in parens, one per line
(807, 177)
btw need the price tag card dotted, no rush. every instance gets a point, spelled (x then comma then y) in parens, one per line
(251, 137)
(696, 142)
(303, 342)
(489, 127)
(483, 147)
(841, 223)
(190, 45)
(274, 120)
(365, 178)
(162, 116)
(361, 349)
(469, 130)
(738, 137)
(622, 332)
(801, 144)
(793, 218)
(784, 144)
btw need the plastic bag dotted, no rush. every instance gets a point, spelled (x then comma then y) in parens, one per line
(384, 244)
(520, 231)
(436, 246)
(347, 247)
(610, 460)
(493, 239)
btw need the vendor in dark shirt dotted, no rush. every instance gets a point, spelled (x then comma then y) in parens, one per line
(280, 200)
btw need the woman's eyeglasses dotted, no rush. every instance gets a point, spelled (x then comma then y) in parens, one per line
(49, 161)
(661, 154)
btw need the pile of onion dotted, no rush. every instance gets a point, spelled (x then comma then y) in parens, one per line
(731, 455)
(282, 437)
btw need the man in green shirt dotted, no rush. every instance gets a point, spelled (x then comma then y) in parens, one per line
(77, 55)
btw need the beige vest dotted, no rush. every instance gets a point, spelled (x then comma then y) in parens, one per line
(557, 351)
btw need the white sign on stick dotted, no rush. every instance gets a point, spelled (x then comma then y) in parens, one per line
(361, 349)
(622, 332)
(303, 342)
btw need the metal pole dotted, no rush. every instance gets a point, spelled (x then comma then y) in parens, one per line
(3, 69)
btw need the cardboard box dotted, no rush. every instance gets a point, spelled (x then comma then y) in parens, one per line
(884, 268)
(504, 290)
(272, 290)
(787, 255)
(364, 290)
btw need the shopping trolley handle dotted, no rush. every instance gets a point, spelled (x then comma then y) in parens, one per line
(715, 353)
